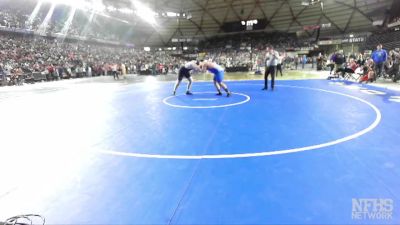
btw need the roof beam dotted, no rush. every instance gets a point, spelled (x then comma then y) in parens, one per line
(169, 40)
(319, 23)
(202, 19)
(199, 28)
(206, 11)
(242, 4)
(274, 14)
(230, 5)
(354, 7)
(252, 10)
(350, 18)
(334, 24)
(158, 33)
(262, 10)
(294, 17)
(225, 17)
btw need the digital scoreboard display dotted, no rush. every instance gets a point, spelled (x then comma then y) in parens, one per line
(244, 25)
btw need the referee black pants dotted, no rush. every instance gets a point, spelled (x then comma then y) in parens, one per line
(279, 69)
(270, 70)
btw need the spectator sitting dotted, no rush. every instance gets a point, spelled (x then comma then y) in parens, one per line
(338, 59)
(369, 73)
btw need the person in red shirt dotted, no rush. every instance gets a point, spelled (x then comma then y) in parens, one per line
(369, 72)
(50, 69)
(352, 65)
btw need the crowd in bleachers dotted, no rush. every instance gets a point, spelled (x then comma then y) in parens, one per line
(391, 40)
(56, 59)
(21, 55)
(247, 49)
(367, 66)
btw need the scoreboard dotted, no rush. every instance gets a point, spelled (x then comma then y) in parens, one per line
(244, 25)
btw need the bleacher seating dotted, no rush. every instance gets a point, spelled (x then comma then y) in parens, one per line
(390, 40)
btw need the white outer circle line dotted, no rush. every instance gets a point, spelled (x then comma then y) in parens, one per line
(269, 153)
(165, 101)
(205, 99)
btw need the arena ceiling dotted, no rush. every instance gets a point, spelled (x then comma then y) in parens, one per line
(207, 17)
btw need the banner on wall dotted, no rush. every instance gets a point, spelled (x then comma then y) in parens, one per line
(342, 41)
(353, 40)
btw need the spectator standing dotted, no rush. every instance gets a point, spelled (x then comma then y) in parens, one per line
(303, 61)
(312, 62)
(114, 69)
(320, 61)
(279, 65)
(123, 70)
(379, 56)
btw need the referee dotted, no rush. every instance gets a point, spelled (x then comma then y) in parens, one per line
(270, 67)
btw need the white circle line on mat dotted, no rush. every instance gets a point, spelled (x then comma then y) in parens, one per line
(372, 126)
(165, 101)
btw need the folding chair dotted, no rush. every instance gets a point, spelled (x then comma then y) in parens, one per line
(358, 73)
(349, 74)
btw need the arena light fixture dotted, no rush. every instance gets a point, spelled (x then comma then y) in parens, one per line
(172, 14)
(98, 6)
(310, 2)
(147, 49)
(111, 8)
(126, 11)
(326, 25)
(377, 22)
(144, 12)
(313, 2)
(181, 15)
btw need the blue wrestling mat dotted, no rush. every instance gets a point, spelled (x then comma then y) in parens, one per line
(309, 152)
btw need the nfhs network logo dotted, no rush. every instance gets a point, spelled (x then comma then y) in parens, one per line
(372, 209)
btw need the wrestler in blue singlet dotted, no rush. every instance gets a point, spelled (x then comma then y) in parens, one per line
(218, 72)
